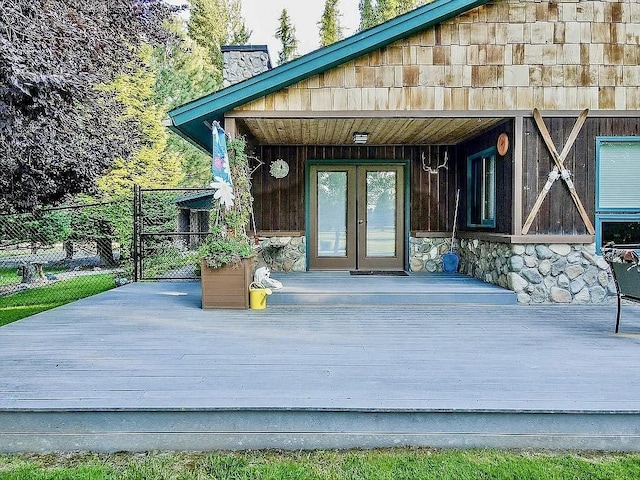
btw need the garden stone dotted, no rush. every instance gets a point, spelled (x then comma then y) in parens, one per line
(582, 296)
(560, 249)
(431, 266)
(518, 249)
(416, 265)
(563, 281)
(516, 282)
(516, 263)
(590, 258)
(530, 261)
(560, 295)
(602, 264)
(524, 298)
(532, 275)
(558, 266)
(603, 279)
(539, 294)
(543, 251)
(598, 294)
(545, 267)
(530, 250)
(575, 257)
(549, 282)
(591, 275)
(574, 271)
(577, 285)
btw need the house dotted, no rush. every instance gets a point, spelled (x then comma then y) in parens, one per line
(367, 142)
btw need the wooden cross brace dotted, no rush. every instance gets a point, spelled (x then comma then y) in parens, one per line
(559, 170)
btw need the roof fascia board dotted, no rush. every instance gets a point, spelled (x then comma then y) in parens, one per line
(217, 103)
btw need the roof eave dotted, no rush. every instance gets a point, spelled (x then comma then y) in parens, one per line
(214, 106)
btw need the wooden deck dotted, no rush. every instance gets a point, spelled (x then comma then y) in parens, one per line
(143, 367)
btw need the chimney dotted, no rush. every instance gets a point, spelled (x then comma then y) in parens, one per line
(240, 62)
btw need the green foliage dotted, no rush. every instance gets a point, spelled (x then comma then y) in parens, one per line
(35, 300)
(286, 33)
(184, 72)
(330, 28)
(151, 165)
(396, 464)
(214, 23)
(39, 229)
(375, 12)
(228, 242)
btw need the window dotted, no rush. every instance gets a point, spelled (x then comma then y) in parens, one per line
(481, 189)
(617, 190)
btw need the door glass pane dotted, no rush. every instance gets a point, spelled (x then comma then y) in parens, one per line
(381, 214)
(332, 214)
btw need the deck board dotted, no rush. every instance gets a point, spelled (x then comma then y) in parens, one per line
(149, 347)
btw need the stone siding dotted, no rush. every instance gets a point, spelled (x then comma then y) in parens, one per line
(243, 64)
(425, 254)
(558, 273)
(283, 254)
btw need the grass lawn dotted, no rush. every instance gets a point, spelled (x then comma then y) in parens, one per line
(396, 464)
(20, 305)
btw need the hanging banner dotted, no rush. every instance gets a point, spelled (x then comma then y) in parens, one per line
(222, 182)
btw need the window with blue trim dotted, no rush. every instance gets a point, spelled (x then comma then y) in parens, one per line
(617, 191)
(481, 189)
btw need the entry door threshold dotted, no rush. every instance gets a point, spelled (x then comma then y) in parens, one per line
(392, 273)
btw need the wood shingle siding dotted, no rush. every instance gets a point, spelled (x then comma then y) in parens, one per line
(564, 55)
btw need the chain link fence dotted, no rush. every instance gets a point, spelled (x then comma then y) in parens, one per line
(53, 253)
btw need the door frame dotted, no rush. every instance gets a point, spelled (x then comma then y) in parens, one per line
(403, 163)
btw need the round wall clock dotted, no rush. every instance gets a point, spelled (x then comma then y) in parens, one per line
(503, 144)
(279, 168)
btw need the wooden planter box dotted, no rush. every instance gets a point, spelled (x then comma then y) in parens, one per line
(226, 287)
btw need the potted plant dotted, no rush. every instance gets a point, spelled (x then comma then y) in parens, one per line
(226, 256)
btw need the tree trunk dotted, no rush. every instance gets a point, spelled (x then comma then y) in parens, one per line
(68, 249)
(31, 272)
(105, 251)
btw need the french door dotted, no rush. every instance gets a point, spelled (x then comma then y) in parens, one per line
(356, 217)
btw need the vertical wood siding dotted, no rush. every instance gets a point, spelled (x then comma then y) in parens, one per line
(504, 178)
(279, 205)
(558, 214)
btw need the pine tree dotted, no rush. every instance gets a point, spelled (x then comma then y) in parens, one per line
(214, 23)
(330, 28)
(367, 15)
(386, 10)
(286, 33)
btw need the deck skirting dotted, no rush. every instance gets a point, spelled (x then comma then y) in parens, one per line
(112, 431)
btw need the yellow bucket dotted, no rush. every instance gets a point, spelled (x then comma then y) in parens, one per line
(258, 296)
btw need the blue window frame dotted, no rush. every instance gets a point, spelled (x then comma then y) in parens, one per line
(481, 189)
(617, 190)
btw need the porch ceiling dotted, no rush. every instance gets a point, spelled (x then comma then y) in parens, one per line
(382, 131)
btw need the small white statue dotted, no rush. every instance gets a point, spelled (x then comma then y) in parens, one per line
(263, 277)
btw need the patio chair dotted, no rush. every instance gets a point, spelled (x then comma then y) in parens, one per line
(624, 262)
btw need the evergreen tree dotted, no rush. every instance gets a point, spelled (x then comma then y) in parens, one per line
(214, 23)
(372, 14)
(330, 28)
(386, 10)
(286, 33)
(184, 72)
(367, 15)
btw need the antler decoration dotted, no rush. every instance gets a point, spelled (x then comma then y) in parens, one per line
(433, 171)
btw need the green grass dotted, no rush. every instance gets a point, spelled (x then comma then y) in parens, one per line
(28, 302)
(396, 464)
(10, 275)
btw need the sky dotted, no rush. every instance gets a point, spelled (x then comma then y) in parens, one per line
(262, 19)
(262, 16)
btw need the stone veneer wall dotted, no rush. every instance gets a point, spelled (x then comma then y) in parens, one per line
(557, 273)
(240, 65)
(425, 254)
(283, 254)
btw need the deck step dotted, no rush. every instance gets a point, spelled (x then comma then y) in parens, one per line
(242, 429)
(341, 288)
